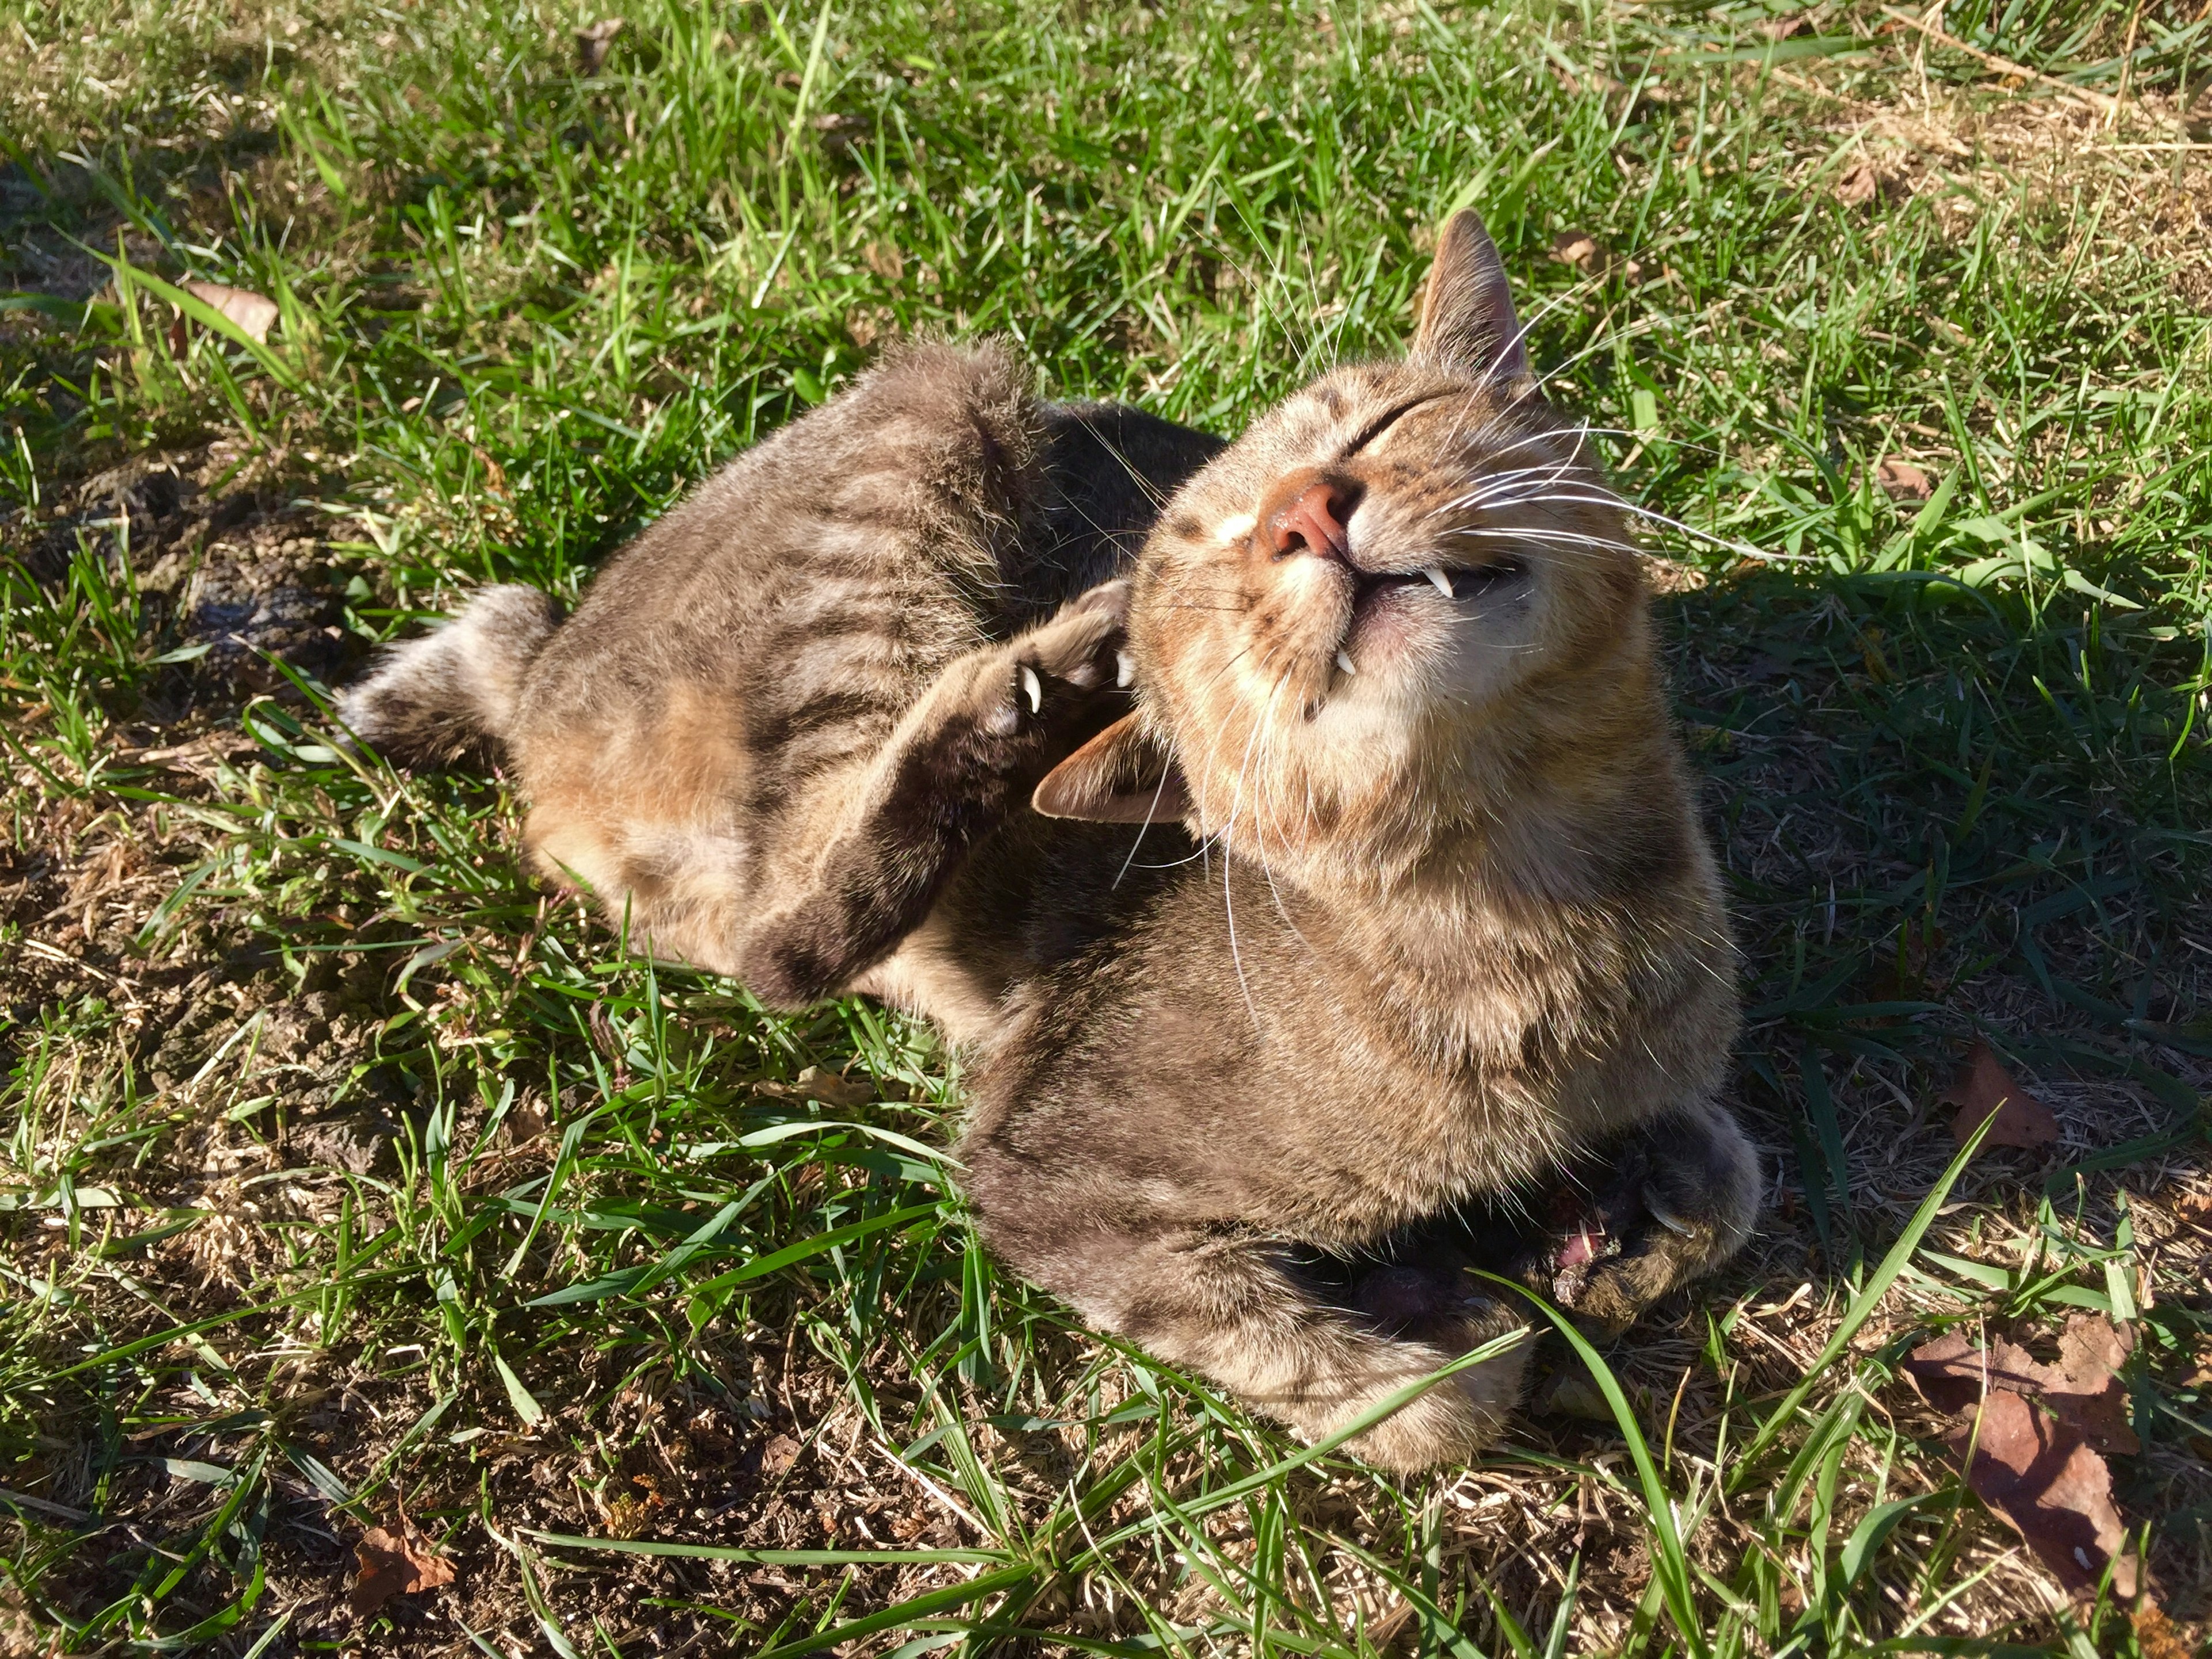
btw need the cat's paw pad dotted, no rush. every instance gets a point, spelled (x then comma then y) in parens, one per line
(1649, 1241)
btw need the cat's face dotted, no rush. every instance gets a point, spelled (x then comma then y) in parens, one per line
(1354, 616)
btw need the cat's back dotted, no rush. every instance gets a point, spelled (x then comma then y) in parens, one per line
(691, 735)
(877, 529)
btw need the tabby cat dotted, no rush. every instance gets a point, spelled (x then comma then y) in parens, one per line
(1290, 834)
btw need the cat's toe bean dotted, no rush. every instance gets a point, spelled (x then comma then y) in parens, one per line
(1003, 718)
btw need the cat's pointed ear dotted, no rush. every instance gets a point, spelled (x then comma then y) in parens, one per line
(1467, 310)
(1119, 776)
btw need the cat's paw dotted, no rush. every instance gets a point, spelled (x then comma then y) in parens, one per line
(1063, 674)
(1664, 1217)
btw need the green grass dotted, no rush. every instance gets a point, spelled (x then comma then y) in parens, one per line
(350, 1176)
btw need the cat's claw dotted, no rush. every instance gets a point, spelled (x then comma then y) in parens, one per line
(1665, 1217)
(1033, 689)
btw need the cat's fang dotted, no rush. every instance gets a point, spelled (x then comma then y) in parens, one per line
(1438, 581)
(1343, 661)
(1033, 689)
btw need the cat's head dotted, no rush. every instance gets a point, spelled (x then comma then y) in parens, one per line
(1381, 606)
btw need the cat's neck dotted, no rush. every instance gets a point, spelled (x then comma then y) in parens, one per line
(1543, 840)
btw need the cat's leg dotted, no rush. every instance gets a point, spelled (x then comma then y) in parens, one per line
(968, 751)
(1675, 1200)
(1246, 1313)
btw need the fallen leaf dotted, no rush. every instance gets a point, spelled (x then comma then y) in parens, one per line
(592, 45)
(1984, 1090)
(1952, 1373)
(1665, 577)
(885, 260)
(253, 312)
(526, 1123)
(2090, 1396)
(2192, 1209)
(1901, 481)
(778, 1456)
(2155, 1634)
(1582, 251)
(831, 1090)
(2046, 1482)
(393, 1566)
(1861, 184)
(1786, 28)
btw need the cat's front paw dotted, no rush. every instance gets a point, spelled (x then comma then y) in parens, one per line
(1067, 678)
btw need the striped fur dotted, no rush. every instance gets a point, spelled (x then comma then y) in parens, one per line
(1418, 965)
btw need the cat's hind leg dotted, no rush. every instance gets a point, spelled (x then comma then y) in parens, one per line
(1249, 1314)
(1675, 1199)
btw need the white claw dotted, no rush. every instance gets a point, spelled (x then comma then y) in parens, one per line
(1032, 687)
(1343, 661)
(1436, 577)
(1665, 1217)
(1125, 669)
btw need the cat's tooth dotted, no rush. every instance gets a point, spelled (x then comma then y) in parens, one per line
(1343, 661)
(1441, 582)
(1033, 689)
(1125, 669)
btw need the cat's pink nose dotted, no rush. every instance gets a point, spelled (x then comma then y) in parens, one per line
(1305, 514)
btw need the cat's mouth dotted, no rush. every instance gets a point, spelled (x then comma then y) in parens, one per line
(1377, 594)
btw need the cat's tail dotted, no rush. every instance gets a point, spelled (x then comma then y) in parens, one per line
(454, 692)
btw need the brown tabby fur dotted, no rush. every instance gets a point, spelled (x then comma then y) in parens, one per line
(1410, 945)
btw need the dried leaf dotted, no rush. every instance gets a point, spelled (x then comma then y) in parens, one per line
(831, 1090)
(2089, 1396)
(885, 260)
(2192, 1209)
(2053, 1490)
(1984, 1090)
(1951, 1374)
(778, 1456)
(253, 312)
(592, 45)
(393, 1566)
(2155, 1634)
(1582, 251)
(526, 1123)
(1901, 481)
(1861, 184)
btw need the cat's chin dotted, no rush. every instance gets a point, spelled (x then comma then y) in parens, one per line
(1387, 622)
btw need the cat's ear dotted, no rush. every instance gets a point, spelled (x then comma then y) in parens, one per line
(1467, 310)
(1119, 776)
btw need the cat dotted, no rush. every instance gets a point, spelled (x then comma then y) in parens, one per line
(1316, 894)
